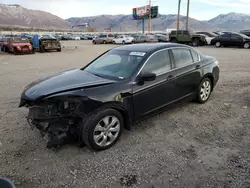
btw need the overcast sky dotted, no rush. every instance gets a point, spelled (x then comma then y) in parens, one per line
(199, 9)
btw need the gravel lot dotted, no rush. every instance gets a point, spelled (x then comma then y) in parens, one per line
(189, 146)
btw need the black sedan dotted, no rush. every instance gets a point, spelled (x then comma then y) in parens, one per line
(231, 39)
(117, 89)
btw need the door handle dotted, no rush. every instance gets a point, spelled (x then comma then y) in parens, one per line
(170, 77)
(197, 67)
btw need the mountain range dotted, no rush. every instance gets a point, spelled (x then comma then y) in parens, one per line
(16, 15)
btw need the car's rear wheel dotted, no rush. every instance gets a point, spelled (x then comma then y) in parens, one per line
(102, 129)
(94, 42)
(217, 44)
(246, 45)
(173, 40)
(42, 49)
(114, 42)
(123, 42)
(204, 91)
(15, 51)
(59, 50)
(195, 42)
(104, 42)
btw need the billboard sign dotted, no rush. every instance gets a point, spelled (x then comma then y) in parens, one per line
(108, 30)
(141, 11)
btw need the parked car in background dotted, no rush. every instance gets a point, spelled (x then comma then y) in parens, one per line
(209, 36)
(75, 37)
(90, 37)
(83, 37)
(66, 37)
(145, 39)
(245, 32)
(103, 39)
(16, 45)
(231, 39)
(162, 38)
(123, 39)
(187, 37)
(44, 43)
(123, 86)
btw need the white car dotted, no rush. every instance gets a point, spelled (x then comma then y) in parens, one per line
(123, 39)
(209, 36)
(76, 37)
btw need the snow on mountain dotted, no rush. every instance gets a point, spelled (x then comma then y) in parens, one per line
(16, 15)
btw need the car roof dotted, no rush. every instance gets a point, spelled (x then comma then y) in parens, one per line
(150, 47)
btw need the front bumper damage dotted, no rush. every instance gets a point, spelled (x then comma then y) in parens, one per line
(59, 122)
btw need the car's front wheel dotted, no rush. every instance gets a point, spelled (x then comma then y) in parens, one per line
(204, 91)
(102, 129)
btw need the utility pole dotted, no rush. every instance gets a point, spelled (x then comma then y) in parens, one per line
(187, 14)
(149, 18)
(178, 17)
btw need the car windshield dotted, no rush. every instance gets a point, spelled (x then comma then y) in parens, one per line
(19, 40)
(116, 64)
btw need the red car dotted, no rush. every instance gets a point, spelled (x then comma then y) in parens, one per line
(16, 45)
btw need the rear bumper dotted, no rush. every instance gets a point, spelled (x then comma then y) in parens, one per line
(52, 48)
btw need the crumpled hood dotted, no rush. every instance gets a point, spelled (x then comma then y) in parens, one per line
(21, 44)
(62, 81)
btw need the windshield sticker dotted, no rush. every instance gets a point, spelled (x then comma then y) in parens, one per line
(137, 53)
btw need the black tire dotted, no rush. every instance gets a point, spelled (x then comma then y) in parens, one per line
(173, 40)
(5, 49)
(15, 52)
(59, 50)
(94, 42)
(42, 49)
(133, 42)
(123, 42)
(201, 88)
(89, 126)
(195, 42)
(104, 42)
(114, 42)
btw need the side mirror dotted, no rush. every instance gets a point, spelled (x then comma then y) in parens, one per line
(148, 76)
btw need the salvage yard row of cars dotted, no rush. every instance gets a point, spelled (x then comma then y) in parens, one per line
(24, 44)
(226, 39)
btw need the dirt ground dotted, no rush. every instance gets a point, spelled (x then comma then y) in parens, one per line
(189, 146)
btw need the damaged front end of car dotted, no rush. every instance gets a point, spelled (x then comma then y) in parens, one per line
(57, 118)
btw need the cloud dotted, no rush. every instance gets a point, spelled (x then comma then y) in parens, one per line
(228, 3)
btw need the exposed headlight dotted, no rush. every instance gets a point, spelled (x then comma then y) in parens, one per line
(216, 63)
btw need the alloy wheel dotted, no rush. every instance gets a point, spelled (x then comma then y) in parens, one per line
(217, 44)
(246, 45)
(205, 90)
(106, 131)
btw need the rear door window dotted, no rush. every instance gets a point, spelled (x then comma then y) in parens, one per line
(182, 57)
